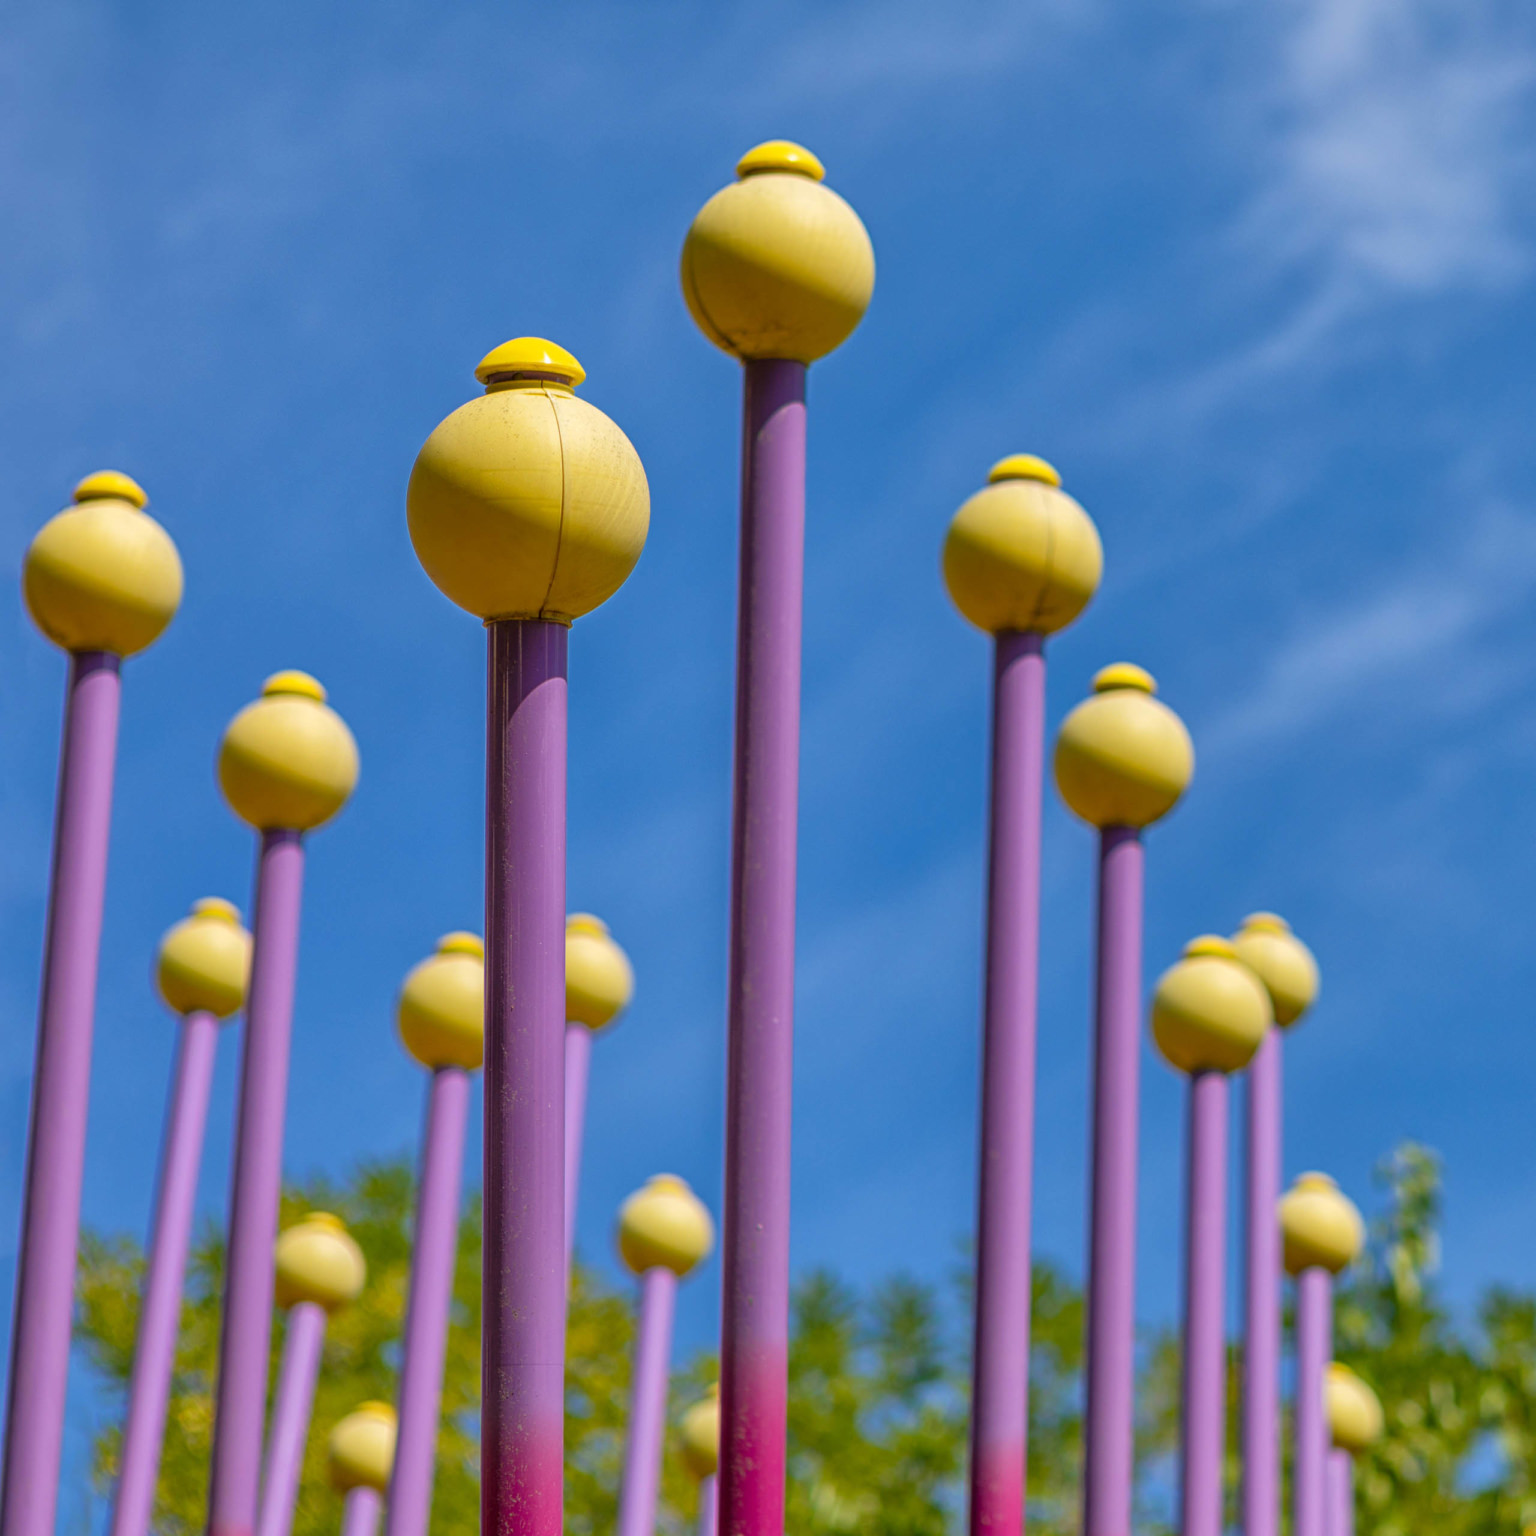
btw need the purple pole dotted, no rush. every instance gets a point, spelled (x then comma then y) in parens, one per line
(1111, 1324)
(1205, 1257)
(50, 1222)
(647, 1404)
(1000, 1361)
(578, 1058)
(1341, 1493)
(431, 1296)
(245, 1342)
(1314, 1349)
(155, 1356)
(1261, 1348)
(360, 1512)
(290, 1416)
(709, 1507)
(754, 1344)
(523, 1353)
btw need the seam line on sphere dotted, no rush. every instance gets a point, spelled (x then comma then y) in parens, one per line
(554, 410)
(716, 335)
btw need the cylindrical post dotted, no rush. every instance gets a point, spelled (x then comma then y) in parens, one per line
(296, 1379)
(101, 580)
(523, 1382)
(709, 1509)
(578, 1059)
(647, 1404)
(360, 1511)
(1341, 1493)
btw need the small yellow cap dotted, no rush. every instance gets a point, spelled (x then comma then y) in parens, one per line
(1320, 1226)
(1354, 1411)
(361, 1452)
(111, 485)
(530, 357)
(1209, 1011)
(1123, 674)
(205, 960)
(299, 684)
(700, 1434)
(1281, 961)
(1023, 466)
(780, 155)
(441, 1013)
(664, 1226)
(599, 980)
(318, 1260)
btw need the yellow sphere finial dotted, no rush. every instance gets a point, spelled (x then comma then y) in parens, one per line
(1021, 555)
(205, 960)
(599, 980)
(1320, 1225)
(103, 575)
(777, 265)
(528, 502)
(1354, 1411)
(361, 1451)
(664, 1226)
(1266, 945)
(288, 760)
(1123, 758)
(1209, 1012)
(441, 1013)
(700, 1435)
(318, 1260)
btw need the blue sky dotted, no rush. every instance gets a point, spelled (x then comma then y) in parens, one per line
(1258, 279)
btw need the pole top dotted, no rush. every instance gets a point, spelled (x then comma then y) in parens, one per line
(664, 1225)
(204, 963)
(1320, 1225)
(1281, 961)
(599, 980)
(318, 1260)
(700, 1434)
(361, 1451)
(1354, 1411)
(529, 359)
(1209, 1011)
(441, 1012)
(780, 155)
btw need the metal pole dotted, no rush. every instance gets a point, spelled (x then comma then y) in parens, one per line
(708, 1507)
(245, 1342)
(433, 1252)
(1000, 1358)
(50, 1222)
(754, 1346)
(647, 1404)
(523, 1358)
(1314, 1349)
(360, 1511)
(578, 1059)
(290, 1416)
(1205, 1348)
(1111, 1323)
(154, 1357)
(1261, 1347)
(1341, 1493)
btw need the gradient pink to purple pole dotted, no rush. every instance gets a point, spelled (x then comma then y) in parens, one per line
(754, 1344)
(1000, 1380)
(1261, 1331)
(523, 1340)
(50, 1220)
(1109, 1414)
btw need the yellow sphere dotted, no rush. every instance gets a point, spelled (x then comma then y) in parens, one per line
(103, 575)
(664, 1226)
(361, 1451)
(1266, 945)
(777, 264)
(1320, 1226)
(318, 1260)
(1022, 555)
(442, 1005)
(205, 960)
(1209, 1012)
(1123, 758)
(528, 503)
(599, 980)
(700, 1434)
(1354, 1411)
(288, 760)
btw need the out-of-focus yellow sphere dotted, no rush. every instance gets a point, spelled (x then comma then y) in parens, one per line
(1209, 1012)
(777, 264)
(1266, 945)
(288, 760)
(528, 503)
(599, 980)
(442, 1005)
(1354, 1411)
(361, 1452)
(1022, 555)
(1123, 758)
(205, 960)
(700, 1435)
(103, 575)
(1319, 1225)
(318, 1260)
(664, 1226)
